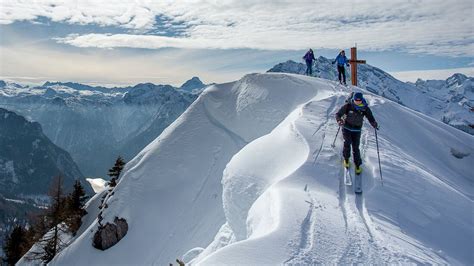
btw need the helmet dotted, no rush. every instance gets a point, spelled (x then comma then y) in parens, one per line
(358, 96)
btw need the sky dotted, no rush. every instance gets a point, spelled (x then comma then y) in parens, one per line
(118, 42)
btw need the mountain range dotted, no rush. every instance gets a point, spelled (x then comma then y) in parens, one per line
(96, 124)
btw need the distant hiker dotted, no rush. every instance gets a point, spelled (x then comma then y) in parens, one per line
(341, 60)
(351, 117)
(309, 58)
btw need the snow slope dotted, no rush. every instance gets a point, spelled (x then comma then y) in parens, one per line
(247, 175)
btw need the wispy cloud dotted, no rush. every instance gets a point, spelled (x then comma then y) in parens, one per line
(40, 63)
(429, 27)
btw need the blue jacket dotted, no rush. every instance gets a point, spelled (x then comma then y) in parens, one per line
(341, 60)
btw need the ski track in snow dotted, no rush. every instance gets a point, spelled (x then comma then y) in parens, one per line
(306, 232)
(361, 242)
(310, 246)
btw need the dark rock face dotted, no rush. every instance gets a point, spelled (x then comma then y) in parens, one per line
(29, 160)
(110, 234)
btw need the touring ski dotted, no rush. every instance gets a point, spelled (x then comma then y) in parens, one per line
(347, 176)
(358, 183)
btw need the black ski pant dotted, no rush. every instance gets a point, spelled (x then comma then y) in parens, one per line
(309, 68)
(351, 138)
(341, 71)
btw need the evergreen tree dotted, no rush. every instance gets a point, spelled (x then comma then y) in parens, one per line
(16, 245)
(75, 207)
(115, 171)
(77, 198)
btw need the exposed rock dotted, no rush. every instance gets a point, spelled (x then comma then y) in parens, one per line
(458, 154)
(110, 234)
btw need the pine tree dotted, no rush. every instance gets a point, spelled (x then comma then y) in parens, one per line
(16, 245)
(75, 207)
(77, 198)
(115, 171)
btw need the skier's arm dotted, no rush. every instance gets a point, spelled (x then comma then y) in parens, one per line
(370, 117)
(340, 113)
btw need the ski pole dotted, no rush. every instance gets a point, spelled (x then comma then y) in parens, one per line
(378, 154)
(334, 142)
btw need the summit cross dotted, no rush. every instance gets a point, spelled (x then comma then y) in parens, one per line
(354, 63)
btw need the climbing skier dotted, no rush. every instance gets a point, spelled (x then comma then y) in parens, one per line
(351, 117)
(341, 60)
(309, 58)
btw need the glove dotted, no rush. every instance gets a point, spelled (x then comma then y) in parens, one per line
(347, 64)
(375, 125)
(333, 62)
(340, 122)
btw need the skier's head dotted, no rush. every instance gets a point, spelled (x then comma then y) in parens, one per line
(311, 50)
(342, 52)
(358, 100)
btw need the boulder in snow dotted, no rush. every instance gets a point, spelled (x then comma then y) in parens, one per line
(110, 234)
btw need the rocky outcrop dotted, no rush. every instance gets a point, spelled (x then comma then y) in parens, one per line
(110, 234)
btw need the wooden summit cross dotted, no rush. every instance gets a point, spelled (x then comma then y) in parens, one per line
(354, 63)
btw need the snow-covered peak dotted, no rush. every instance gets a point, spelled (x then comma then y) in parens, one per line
(146, 93)
(193, 85)
(247, 175)
(10, 85)
(457, 78)
(73, 85)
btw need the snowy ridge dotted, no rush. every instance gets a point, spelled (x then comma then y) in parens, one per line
(185, 163)
(247, 175)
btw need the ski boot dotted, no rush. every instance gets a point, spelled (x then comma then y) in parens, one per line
(358, 170)
(346, 163)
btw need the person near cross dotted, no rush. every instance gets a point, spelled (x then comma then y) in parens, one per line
(309, 58)
(341, 60)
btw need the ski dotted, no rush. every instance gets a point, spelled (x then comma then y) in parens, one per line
(358, 183)
(347, 177)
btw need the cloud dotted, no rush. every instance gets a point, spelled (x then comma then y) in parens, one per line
(437, 74)
(39, 63)
(429, 27)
